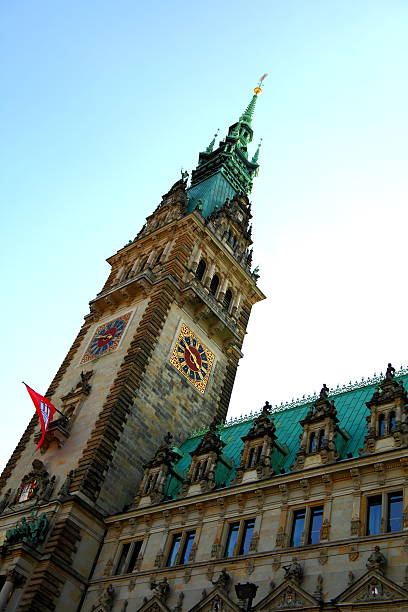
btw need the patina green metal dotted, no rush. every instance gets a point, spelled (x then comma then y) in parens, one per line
(32, 531)
(225, 171)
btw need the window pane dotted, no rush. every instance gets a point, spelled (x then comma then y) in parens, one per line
(122, 559)
(246, 537)
(374, 515)
(135, 553)
(175, 545)
(395, 511)
(316, 518)
(187, 547)
(232, 539)
(297, 527)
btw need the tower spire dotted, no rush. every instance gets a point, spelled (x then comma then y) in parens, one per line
(256, 156)
(248, 113)
(226, 170)
(210, 147)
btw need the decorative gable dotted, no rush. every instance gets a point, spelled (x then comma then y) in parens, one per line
(152, 487)
(154, 604)
(387, 423)
(259, 442)
(320, 430)
(201, 475)
(288, 596)
(216, 601)
(371, 588)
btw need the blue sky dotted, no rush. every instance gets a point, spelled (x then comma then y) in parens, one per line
(104, 102)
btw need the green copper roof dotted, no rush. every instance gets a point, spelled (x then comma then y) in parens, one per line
(209, 195)
(227, 170)
(351, 409)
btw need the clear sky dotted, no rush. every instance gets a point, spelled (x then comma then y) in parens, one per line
(103, 102)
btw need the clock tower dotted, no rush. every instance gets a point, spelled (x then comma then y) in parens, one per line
(158, 351)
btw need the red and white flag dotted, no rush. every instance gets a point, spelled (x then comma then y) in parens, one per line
(45, 411)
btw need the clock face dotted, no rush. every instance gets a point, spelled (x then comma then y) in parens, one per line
(106, 338)
(192, 358)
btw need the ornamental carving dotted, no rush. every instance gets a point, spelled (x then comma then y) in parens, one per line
(259, 443)
(376, 561)
(318, 442)
(387, 423)
(105, 600)
(34, 483)
(204, 461)
(294, 571)
(151, 488)
(32, 531)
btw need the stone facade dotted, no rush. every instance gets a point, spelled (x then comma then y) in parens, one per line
(128, 508)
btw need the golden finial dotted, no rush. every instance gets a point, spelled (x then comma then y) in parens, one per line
(258, 88)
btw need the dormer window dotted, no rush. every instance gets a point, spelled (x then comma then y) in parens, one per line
(392, 422)
(201, 269)
(388, 418)
(381, 425)
(254, 456)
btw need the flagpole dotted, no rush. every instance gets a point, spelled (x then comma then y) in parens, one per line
(56, 409)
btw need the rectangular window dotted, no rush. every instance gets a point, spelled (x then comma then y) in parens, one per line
(298, 526)
(232, 539)
(246, 537)
(175, 546)
(394, 511)
(134, 556)
(374, 509)
(122, 559)
(315, 524)
(188, 543)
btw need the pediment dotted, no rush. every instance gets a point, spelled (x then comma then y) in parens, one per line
(370, 588)
(288, 596)
(216, 601)
(154, 604)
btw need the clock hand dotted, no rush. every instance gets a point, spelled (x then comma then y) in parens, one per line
(193, 357)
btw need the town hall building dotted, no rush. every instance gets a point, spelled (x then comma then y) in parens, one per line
(144, 498)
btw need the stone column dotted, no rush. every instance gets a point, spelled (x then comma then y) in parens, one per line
(14, 580)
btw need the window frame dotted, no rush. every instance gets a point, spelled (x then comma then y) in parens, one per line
(240, 539)
(385, 511)
(181, 548)
(306, 534)
(124, 561)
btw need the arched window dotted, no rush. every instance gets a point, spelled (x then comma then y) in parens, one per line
(201, 269)
(312, 442)
(381, 425)
(320, 440)
(215, 281)
(227, 299)
(392, 422)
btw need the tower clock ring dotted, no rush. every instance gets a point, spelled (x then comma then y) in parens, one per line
(192, 358)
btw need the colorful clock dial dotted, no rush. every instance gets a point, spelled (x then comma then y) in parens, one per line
(192, 358)
(106, 338)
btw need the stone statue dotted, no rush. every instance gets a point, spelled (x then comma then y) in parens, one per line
(105, 600)
(376, 561)
(64, 490)
(45, 495)
(294, 571)
(160, 589)
(324, 392)
(223, 580)
(168, 438)
(5, 501)
(390, 372)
